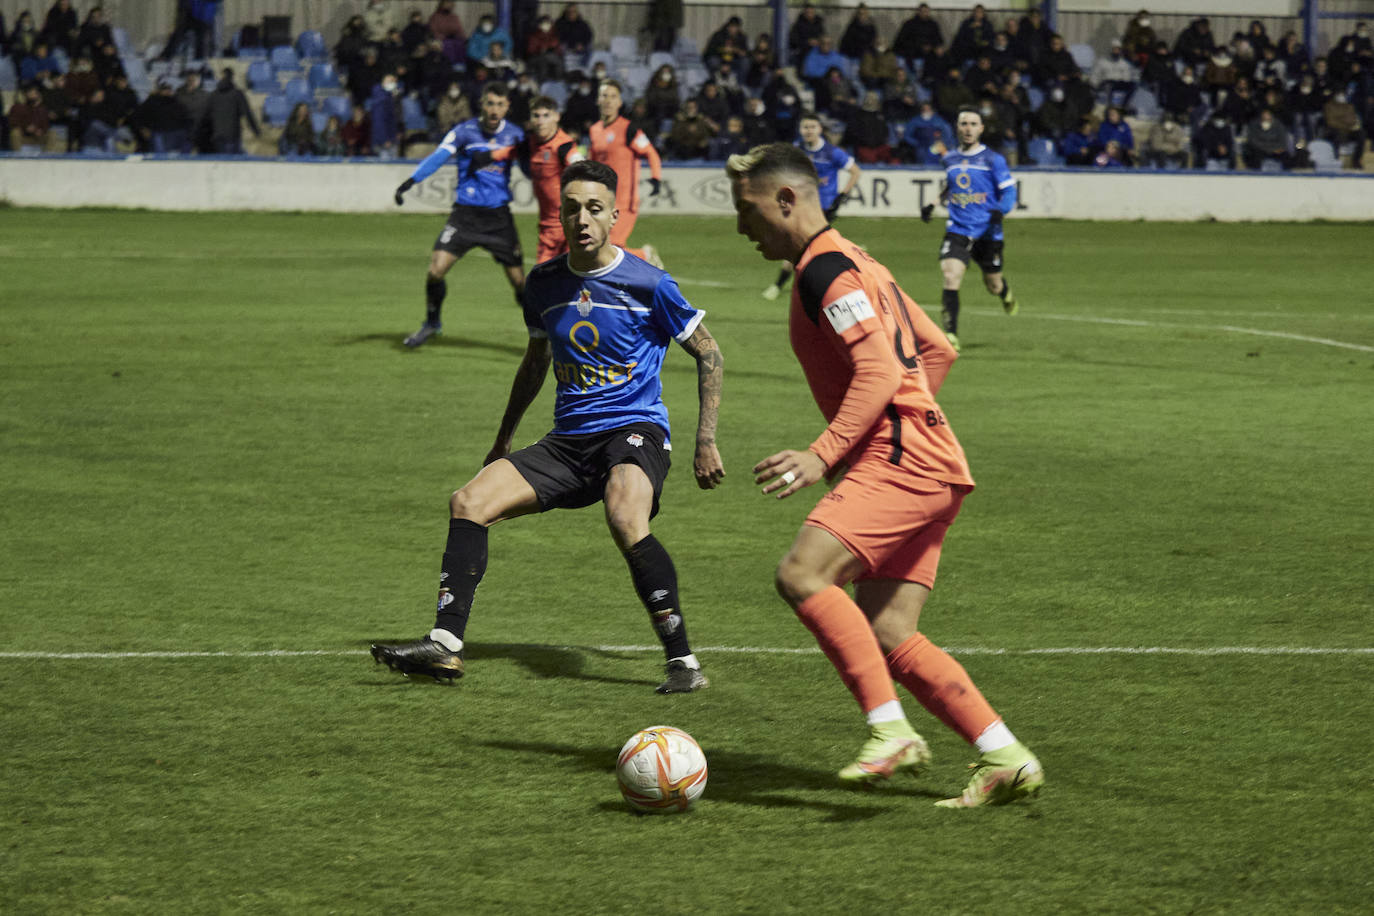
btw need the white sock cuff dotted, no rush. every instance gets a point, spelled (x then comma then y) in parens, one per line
(446, 639)
(891, 711)
(689, 660)
(995, 737)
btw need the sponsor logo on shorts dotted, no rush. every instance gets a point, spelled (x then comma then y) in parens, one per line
(635, 439)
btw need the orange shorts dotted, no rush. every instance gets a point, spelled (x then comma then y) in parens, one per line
(892, 520)
(552, 243)
(620, 232)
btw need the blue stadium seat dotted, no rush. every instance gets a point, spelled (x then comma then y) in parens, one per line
(1324, 158)
(659, 58)
(605, 57)
(284, 58)
(340, 105)
(121, 41)
(625, 49)
(275, 110)
(9, 79)
(324, 76)
(298, 90)
(686, 49)
(1043, 151)
(1145, 103)
(1036, 97)
(260, 77)
(311, 44)
(638, 77)
(556, 90)
(413, 115)
(319, 120)
(1084, 56)
(1271, 165)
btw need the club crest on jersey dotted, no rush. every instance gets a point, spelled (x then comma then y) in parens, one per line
(635, 439)
(584, 303)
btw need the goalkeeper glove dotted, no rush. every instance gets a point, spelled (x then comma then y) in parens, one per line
(926, 212)
(654, 187)
(400, 191)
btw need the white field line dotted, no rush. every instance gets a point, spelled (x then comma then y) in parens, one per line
(733, 650)
(1141, 323)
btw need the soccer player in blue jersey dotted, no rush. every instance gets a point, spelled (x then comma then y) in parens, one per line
(978, 190)
(604, 318)
(829, 161)
(481, 208)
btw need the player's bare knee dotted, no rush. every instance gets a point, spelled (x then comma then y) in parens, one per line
(993, 282)
(466, 505)
(795, 581)
(628, 528)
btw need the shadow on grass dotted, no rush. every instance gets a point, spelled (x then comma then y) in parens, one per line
(541, 661)
(396, 340)
(744, 779)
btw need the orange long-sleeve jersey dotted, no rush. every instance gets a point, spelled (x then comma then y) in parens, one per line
(874, 361)
(621, 145)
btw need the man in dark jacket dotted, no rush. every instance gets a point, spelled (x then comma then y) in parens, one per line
(918, 37)
(224, 113)
(162, 123)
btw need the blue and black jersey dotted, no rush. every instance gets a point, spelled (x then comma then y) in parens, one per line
(829, 161)
(488, 186)
(979, 183)
(609, 331)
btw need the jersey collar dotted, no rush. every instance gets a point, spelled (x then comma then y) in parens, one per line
(601, 271)
(499, 127)
(973, 152)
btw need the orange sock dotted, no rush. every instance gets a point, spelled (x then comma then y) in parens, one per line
(942, 686)
(848, 641)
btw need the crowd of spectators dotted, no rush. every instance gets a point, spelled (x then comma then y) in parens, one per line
(1197, 99)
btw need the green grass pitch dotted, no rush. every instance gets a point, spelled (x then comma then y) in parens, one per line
(212, 441)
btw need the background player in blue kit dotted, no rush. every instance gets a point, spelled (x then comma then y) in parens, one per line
(829, 161)
(481, 208)
(978, 190)
(604, 318)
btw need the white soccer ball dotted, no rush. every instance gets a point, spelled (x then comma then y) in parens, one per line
(661, 770)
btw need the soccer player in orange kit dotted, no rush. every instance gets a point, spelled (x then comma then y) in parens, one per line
(874, 362)
(543, 155)
(619, 144)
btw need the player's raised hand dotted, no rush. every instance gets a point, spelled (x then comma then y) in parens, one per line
(400, 191)
(789, 471)
(654, 187)
(708, 467)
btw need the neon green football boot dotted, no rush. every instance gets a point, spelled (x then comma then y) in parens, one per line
(890, 747)
(1000, 777)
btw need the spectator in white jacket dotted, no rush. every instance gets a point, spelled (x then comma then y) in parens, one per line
(1115, 75)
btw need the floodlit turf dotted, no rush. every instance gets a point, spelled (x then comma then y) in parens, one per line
(212, 440)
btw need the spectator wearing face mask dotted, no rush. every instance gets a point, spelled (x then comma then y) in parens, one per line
(927, 137)
(1115, 75)
(1215, 142)
(1055, 117)
(1182, 97)
(1140, 39)
(1267, 138)
(1166, 144)
(383, 109)
(453, 108)
(1343, 126)
(484, 36)
(543, 52)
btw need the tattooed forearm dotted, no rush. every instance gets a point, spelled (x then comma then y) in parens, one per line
(710, 379)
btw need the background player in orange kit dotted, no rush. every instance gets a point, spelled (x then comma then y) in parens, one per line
(543, 154)
(620, 144)
(874, 362)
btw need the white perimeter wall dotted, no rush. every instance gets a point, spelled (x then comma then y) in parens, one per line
(347, 187)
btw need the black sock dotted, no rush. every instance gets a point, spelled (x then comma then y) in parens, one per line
(783, 277)
(950, 300)
(1006, 289)
(465, 562)
(435, 290)
(656, 581)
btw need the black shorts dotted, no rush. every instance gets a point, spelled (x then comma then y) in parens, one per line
(491, 228)
(569, 472)
(985, 252)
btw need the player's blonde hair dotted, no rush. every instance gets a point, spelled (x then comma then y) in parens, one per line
(772, 160)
